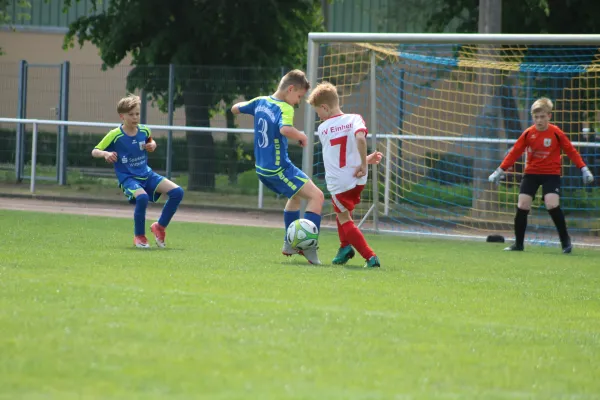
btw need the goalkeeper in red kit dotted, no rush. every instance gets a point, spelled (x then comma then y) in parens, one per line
(543, 142)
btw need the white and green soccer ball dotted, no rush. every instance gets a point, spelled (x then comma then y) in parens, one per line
(303, 234)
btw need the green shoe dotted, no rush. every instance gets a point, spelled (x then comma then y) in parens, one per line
(373, 262)
(343, 255)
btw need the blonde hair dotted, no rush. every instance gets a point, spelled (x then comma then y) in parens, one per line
(324, 93)
(543, 104)
(294, 78)
(128, 103)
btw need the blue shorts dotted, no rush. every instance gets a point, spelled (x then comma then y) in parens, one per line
(287, 182)
(149, 184)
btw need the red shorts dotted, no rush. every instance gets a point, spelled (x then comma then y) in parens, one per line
(347, 200)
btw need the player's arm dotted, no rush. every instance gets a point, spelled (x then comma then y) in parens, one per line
(293, 134)
(235, 110)
(244, 107)
(375, 157)
(361, 144)
(575, 157)
(516, 152)
(150, 145)
(104, 149)
(512, 156)
(286, 126)
(570, 150)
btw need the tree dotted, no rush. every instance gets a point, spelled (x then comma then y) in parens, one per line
(200, 37)
(22, 7)
(522, 16)
(489, 21)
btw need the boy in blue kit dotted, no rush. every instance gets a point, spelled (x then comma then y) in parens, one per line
(273, 126)
(127, 148)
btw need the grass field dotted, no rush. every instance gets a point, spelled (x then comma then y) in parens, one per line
(221, 314)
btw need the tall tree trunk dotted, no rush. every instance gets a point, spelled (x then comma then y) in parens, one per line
(510, 114)
(485, 201)
(232, 148)
(510, 109)
(200, 145)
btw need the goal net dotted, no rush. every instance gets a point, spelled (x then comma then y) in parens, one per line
(444, 110)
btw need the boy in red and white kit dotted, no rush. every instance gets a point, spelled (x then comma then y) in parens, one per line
(543, 142)
(343, 137)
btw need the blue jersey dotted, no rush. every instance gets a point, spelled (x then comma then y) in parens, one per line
(132, 158)
(270, 146)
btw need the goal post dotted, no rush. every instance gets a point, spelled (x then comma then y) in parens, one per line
(444, 109)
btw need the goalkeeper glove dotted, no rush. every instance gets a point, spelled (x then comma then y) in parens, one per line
(587, 175)
(496, 176)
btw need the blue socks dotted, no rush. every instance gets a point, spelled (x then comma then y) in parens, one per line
(314, 218)
(139, 215)
(288, 218)
(141, 204)
(175, 197)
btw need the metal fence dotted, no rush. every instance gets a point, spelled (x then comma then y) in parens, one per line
(176, 100)
(37, 144)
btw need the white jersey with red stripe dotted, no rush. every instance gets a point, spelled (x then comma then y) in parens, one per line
(340, 152)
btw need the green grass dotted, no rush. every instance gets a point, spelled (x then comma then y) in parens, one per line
(221, 314)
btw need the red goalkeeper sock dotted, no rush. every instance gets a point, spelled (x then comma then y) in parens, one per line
(357, 240)
(343, 241)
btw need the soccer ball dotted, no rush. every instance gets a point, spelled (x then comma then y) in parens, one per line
(303, 234)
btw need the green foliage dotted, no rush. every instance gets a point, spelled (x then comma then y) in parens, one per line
(248, 182)
(522, 16)
(23, 8)
(438, 195)
(204, 33)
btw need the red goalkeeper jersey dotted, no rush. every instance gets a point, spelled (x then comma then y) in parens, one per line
(543, 151)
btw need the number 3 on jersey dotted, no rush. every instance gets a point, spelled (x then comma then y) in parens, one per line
(342, 141)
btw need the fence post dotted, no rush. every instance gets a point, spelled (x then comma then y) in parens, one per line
(34, 141)
(388, 166)
(170, 120)
(143, 107)
(63, 115)
(373, 128)
(309, 114)
(260, 194)
(21, 113)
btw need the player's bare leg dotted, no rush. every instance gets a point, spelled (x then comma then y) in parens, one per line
(315, 198)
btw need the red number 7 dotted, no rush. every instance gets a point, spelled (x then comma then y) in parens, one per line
(343, 140)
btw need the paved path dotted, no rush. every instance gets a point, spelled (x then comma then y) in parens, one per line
(249, 218)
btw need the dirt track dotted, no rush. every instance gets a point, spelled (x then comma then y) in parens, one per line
(251, 218)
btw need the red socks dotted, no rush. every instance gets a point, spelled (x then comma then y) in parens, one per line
(355, 237)
(343, 240)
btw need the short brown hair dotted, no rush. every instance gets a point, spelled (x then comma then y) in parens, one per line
(543, 104)
(324, 93)
(128, 103)
(296, 78)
